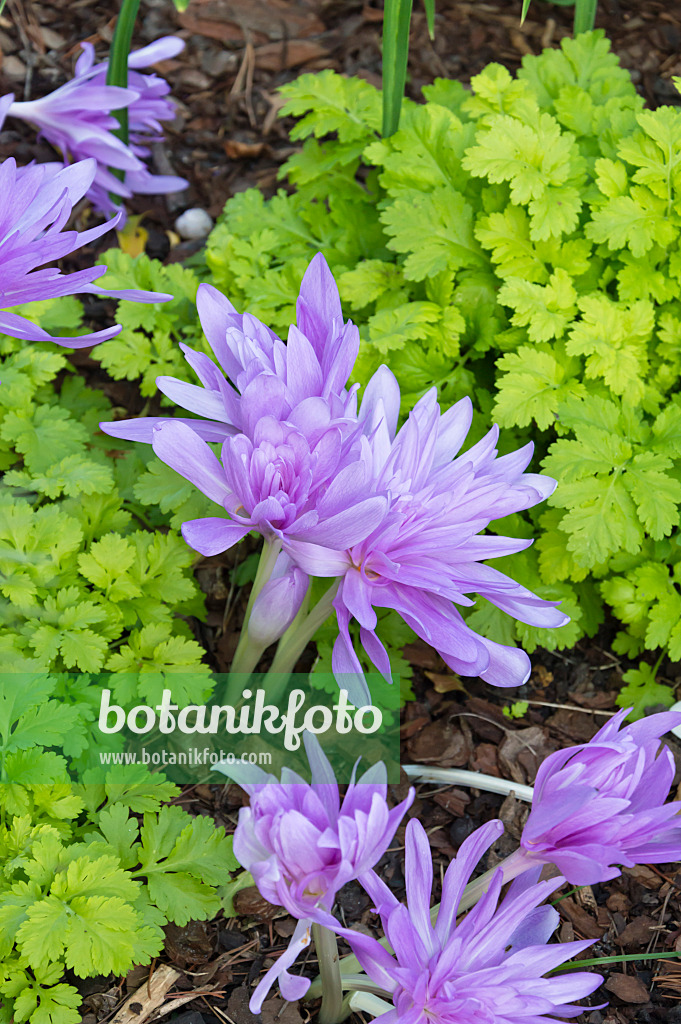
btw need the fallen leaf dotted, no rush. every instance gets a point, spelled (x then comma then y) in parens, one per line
(445, 683)
(637, 932)
(627, 988)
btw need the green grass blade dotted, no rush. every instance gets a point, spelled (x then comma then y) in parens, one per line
(396, 22)
(585, 15)
(523, 13)
(576, 965)
(117, 73)
(430, 17)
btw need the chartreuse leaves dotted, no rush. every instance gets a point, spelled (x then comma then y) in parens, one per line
(615, 479)
(519, 242)
(84, 886)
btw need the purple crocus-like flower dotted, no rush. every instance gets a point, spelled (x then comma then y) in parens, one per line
(276, 483)
(77, 118)
(489, 967)
(302, 844)
(35, 204)
(601, 804)
(425, 555)
(302, 381)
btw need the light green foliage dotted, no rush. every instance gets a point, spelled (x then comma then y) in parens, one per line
(516, 710)
(148, 345)
(77, 574)
(520, 243)
(84, 885)
(643, 691)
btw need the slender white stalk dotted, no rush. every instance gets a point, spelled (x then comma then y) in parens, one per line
(248, 654)
(459, 777)
(369, 1002)
(298, 636)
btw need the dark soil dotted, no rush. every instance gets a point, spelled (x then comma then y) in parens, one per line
(227, 137)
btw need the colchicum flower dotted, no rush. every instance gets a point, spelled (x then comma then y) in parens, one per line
(487, 968)
(425, 556)
(302, 382)
(78, 120)
(35, 204)
(600, 805)
(302, 844)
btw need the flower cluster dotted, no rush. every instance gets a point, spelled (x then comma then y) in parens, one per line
(601, 805)
(595, 806)
(392, 518)
(35, 204)
(78, 120)
(302, 844)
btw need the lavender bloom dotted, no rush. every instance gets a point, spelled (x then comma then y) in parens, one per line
(35, 204)
(302, 382)
(601, 804)
(425, 555)
(77, 118)
(278, 602)
(302, 844)
(489, 966)
(277, 483)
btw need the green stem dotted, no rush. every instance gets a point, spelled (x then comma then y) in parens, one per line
(117, 73)
(248, 654)
(298, 635)
(329, 970)
(369, 1002)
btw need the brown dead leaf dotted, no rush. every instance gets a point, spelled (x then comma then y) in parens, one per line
(485, 760)
(521, 752)
(288, 53)
(627, 988)
(445, 683)
(249, 903)
(637, 933)
(277, 1011)
(236, 150)
(189, 944)
(583, 922)
(439, 743)
(453, 800)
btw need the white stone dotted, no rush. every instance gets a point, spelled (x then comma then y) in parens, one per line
(194, 223)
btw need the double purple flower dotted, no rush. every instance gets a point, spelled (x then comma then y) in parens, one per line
(424, 557)
(489, 967)
(393, 517)
(35, 205)
(601, 805)
(302, 844)
(78, 119)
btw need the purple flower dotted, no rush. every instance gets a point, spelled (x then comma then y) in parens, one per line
(35, 204)
(276, 483)
(302, 844)
(302, 381)
(601, 804)
(425, 555)
(77, 118)
(487, 968)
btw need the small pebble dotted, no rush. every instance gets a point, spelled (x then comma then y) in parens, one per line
(194, 224)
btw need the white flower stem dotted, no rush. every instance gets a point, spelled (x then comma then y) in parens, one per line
(331, 1010)
(459, 777)
(248, 654)
(299, 634)
(369, 1002)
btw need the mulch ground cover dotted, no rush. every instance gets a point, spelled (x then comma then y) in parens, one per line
(227, 137)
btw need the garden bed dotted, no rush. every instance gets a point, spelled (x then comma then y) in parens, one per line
(225, 139)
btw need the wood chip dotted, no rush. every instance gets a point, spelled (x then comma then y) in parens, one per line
(148, 997)
(627, 988)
